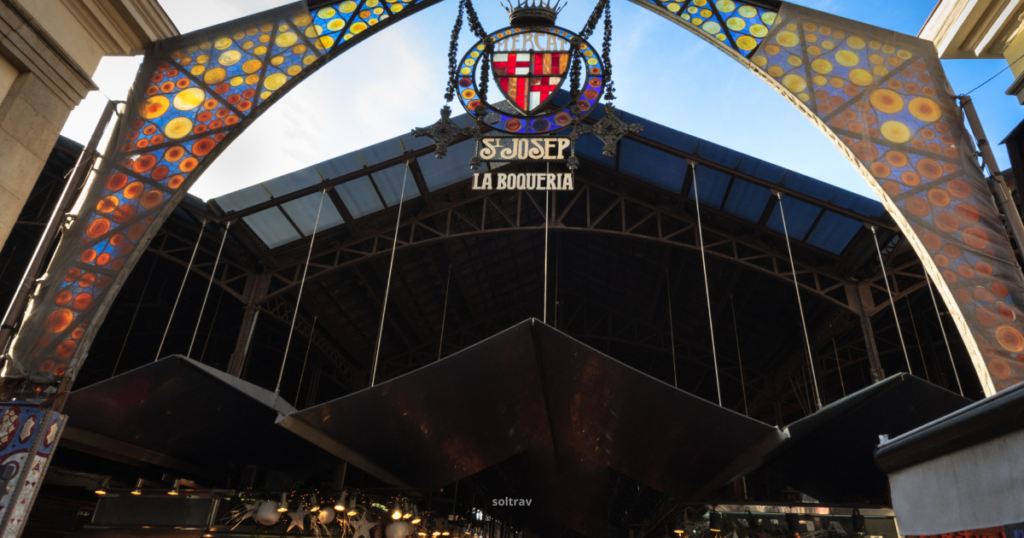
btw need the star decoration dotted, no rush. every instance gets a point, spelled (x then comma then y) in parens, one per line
(298, 519)
(610, 129)
(362, 528)
(443, 132)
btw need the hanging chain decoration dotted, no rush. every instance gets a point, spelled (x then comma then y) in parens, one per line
(444, 131)
(606, 53)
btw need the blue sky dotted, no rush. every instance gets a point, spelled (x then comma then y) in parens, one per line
(395, 82)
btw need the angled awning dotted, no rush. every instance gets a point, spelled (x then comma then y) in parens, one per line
(830, 454)
(574, 411)
(179, 413)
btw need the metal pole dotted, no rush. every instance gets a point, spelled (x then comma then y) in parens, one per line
(209, 285)
(671, 329)
(64, 204)
(707, 290)
(298, 301)
(892, 302)
(302, 374)
(1004, 198)
(547, 202)
(799, 302)
(202, 228)
(387, 288)
(444, 315)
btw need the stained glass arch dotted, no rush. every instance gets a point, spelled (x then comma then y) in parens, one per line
(880, 97)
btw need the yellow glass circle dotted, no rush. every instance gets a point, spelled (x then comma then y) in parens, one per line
(787, 39)
(237, 81)
(189, 98)
(357, 27)
(795, 61)
(324, 42)
(326, 13)
(822, 66)
(178, 128)
(287, 39)
(880, 70)
(768, 17)
(229, 57)
(819, 80)
(275, 81)
(759, 60)
(308, 59)
(736, 24)
(347, 7)
(314, 31)
(828, 45)
(304, 19)
(748, 11)
(260, 50)
(396, 8)
(294, 70)
(673, 7)
(847, 58)
(222, 43)
(252, 79)
(251, 66)
(277, 60)
(746, 42)
(264, 39)
(248, 45)
(896, 132)
(861, 77)
(371, 3)
(202, 58)
(856, 42)
(264, 95)
(335, 25)
(794, 83)
(215, 75)
(198, 70)
(725, 6)
(775, 71)
(886, 101)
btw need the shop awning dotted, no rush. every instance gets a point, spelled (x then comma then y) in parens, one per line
(180, 414)
(830, 454)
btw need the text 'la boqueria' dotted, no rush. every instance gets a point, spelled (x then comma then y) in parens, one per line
(523, 182)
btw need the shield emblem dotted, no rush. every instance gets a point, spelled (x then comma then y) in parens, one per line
(529, 79)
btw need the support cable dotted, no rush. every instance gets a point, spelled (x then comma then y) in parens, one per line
(839, 367)
(799, 301)
(920, 348)
(671, 328)
(188, 269)
(387, 289)
(707, 290)
(739, 360)
(892, 302)
(547, 202)
(132, 324)
(942, 327)
(304, 359)
(444, 316)
(213, 274)
(298, 301)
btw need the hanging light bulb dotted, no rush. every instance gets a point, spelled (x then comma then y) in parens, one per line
(352, 512)
(138, 487)
(102, 489)
(716, 521)
(445, 531)
(679, 527)
(416, 519)
(283, 505)
(406, 513)
(314, 504)
(396, 511)
(176, 488)
(340, 505)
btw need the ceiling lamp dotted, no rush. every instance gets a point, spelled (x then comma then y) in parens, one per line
(314, 504)
(416, 519)
(283, 505)
(406, 513)
(340, 505)
(176, 488)
(102, 489)
(679, 527)
(396, 511)
(138, 487)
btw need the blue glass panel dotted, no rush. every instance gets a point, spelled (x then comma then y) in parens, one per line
(303, 213)
(719, 154)
(799, 217)
(590, 147)
(762, 170)
(665, 135)
(389, 181)
(359, 196)
(242, 198)
(834, 232)
(292, 182)
(340, 166)
(439, 173)
(380, 152)
(747, 201)
(652, 166)
(272, 227)
(712, 185)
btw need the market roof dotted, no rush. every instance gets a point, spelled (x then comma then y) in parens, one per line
(817, 213)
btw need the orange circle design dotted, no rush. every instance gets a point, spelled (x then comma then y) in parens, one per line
(97, 228)
(151, 199)
(947, 222)
(959, 188)
(918, 207)
(929, 168)
(64, 297)
(88, 256)
(144, 163)
(1010, 338)
(133, 189)
(117, 181)
(999, 368)
(967, 213)
(81, 301)
(136, 231)
(938, 197)
(976, 238)
(66, 348)
(203, 147)
(189, 164)
(59, 319)
(123, 213)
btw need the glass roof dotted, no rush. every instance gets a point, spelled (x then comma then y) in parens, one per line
(720, 190)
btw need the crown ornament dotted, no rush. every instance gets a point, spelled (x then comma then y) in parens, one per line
(527, 12)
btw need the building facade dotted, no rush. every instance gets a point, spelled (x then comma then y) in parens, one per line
(49, 51)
